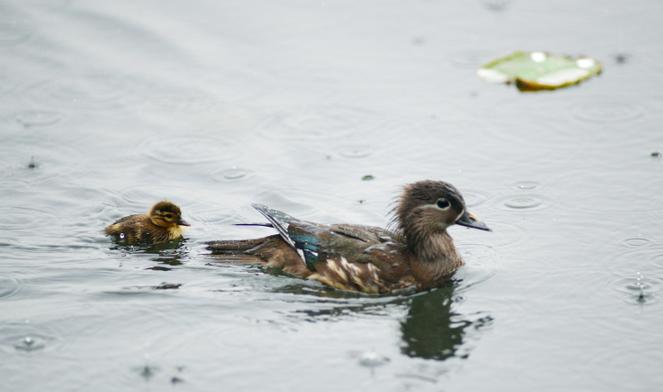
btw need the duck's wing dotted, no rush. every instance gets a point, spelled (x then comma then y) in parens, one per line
(303, 236)
(278, 220)
(317, 242)
(359, 258)
(128, 218)
(347, 257)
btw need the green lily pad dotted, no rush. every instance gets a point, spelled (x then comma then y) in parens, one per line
(532, 71)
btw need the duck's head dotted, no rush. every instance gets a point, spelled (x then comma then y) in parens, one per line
(166, 214)
(429, 207)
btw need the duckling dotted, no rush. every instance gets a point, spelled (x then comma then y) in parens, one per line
(417, 252)
(162, 223)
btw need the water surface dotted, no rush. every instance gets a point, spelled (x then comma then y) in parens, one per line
(107, 107)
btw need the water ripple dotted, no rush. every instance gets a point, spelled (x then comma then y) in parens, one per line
(137, 197)
(479, 265)
(503, 235)
(496, 5)
(636, 185)
(8, 286)
(639, 272)
(524, 202)
(213, 217)
(189, 150)
(180, 101)
(122, 324)
(355, 151)
(326, 122)
(90, 92)
(470, 59)
(608, 111)
(7, 83)
(233, 174)
(27, 337)
(639, 288)
(636, 242)
(41, 118)
(527, 185)
(474, 198)
(13, 32)
(23, 218)
(657, 258)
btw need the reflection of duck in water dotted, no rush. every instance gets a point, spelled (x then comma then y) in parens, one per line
(161, 224)
(367, 259)
(432, 330)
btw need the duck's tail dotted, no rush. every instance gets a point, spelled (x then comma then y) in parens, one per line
(271, 252)
(251, 251)
(235, 247)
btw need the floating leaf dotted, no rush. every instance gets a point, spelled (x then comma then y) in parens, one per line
(532, 71)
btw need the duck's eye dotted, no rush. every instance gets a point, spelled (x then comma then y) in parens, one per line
(168, 216)
(442, 203)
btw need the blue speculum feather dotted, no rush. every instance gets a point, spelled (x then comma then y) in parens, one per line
(306, 241)
(310, 258)
(309, 244)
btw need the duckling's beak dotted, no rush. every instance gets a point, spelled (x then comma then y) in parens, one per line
(182, 222)
(468, 219)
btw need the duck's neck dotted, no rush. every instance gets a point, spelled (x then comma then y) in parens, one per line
(433, 248)
(174, 232)
(433, 258)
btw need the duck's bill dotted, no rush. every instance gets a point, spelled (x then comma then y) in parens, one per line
(470, 220)
(182, 222)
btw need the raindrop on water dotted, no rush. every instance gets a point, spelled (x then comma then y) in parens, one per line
(637, 242)
(32, 118)
(639, 289)
(147, 371)
(33, 163)
(640, 286)
(29, 343)
(234, 173)
(371, 359)
(608, 111)
(357, 151)
(527, 185)
(621, 58)
(523, 202)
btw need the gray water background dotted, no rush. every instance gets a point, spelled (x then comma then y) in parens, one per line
(217, 104)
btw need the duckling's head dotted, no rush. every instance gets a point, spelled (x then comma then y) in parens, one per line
(166, 214)
(429, 207)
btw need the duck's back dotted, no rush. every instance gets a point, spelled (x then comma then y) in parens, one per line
(348, 257)
(361, 258)
(136, 229)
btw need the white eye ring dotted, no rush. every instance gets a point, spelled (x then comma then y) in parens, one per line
(442, 203)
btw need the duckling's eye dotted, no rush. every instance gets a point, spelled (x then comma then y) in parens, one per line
(442, 203)
(168, 216)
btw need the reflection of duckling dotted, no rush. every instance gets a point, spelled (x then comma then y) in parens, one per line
(161, 224)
